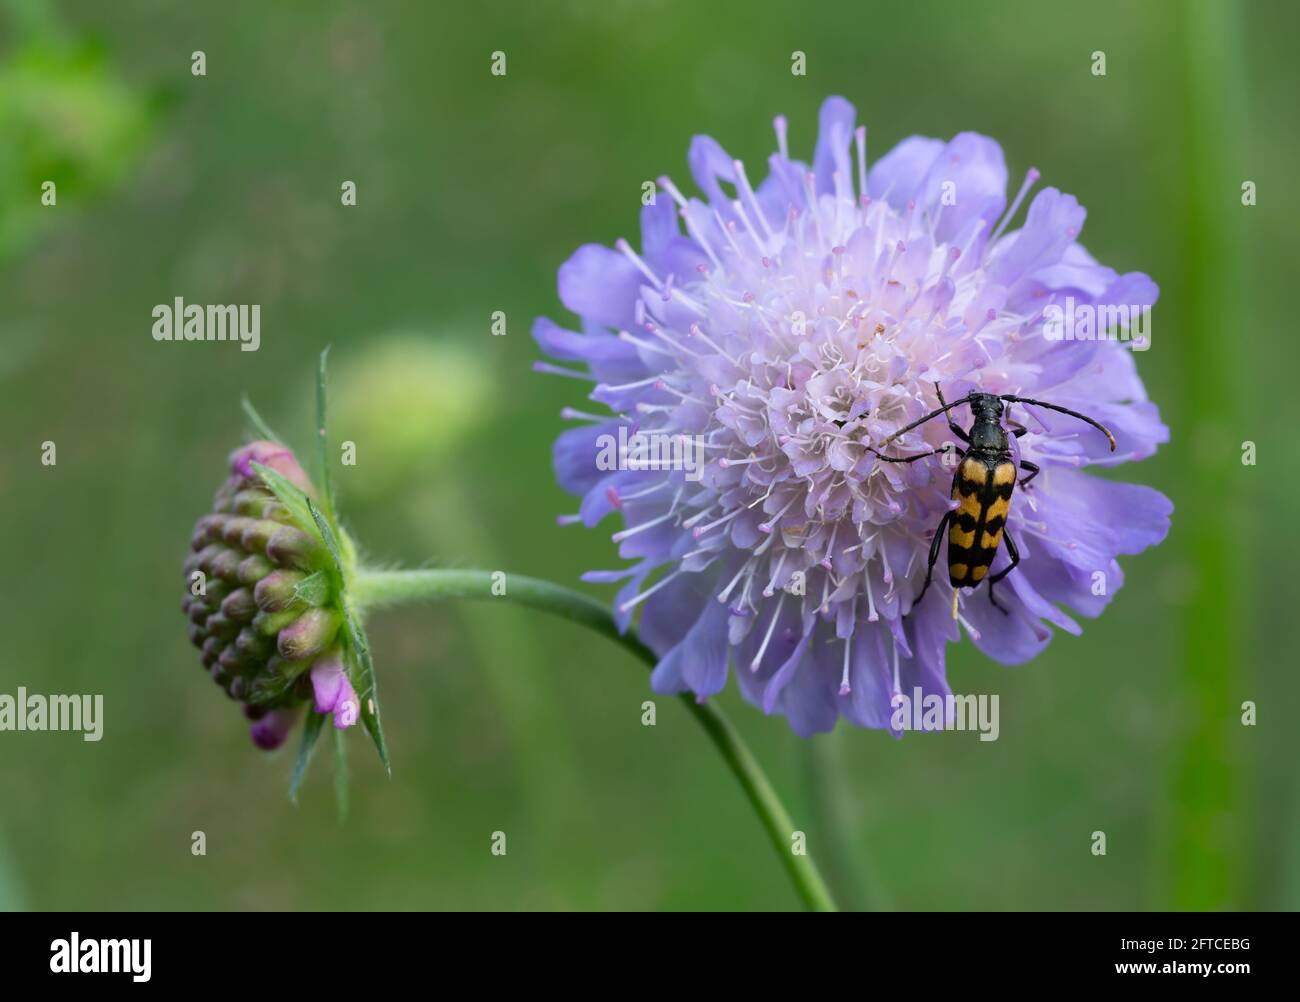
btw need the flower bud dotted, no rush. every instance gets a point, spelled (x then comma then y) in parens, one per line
(275, 592)
(309, 634)
(269, 731)
(290, 547)
(258, 639)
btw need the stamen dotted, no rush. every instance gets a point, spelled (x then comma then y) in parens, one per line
(697, 533)
(626, 250)
(779, 125)
(748, 192)
(555, 370)
(618, 537)
(860, 139)
(770, 524)
(667, 185)
(650, 381)
(770, 590)
(570, 414)
(630, 603)
(1031, 177)
(872, 616)
(746, 566)
(771, 627)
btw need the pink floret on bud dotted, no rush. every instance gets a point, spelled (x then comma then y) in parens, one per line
(333, 691)
(269, 454)
(269, 732)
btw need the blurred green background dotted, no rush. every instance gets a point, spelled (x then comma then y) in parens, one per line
(472, 189)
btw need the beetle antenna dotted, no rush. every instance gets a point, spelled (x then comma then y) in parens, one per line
(920, 421)
(1064, 410)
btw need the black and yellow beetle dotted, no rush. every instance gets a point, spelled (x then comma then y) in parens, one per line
(982, 488)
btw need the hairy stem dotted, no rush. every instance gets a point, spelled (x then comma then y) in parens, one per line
(379, 588)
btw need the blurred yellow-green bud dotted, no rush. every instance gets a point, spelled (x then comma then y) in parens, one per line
(435, 396)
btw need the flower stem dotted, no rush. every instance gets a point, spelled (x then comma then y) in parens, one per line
(379, 588)
(1210, 833)
(830, 807)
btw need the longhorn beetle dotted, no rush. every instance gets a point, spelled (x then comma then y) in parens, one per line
(982, 486)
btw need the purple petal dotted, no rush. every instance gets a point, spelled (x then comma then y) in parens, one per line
(602, 284)
(895, 176)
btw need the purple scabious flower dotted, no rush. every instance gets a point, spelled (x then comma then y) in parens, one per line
(784, 328)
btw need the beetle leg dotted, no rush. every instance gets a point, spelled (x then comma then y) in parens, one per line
(1014, 554)
(1017, 429)
(919, 455)
(934, 555)
(953, 426)
(1033, 469)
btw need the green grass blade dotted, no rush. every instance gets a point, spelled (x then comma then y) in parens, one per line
(255, 419)
(310, 733)
(341, 777)
(322, 438)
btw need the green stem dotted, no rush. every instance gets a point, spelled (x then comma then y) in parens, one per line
(830, 807)
(1210, 849)
(378, 588)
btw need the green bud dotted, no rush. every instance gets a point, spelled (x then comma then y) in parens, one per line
(207, 530)
(219, 625)
(270, 623)
(253, 568)
(309, 634)
(252, 503)
(290, 547)
(258, 534)
(233, 661)
(276, 591)
(212, 648)
(232, 532)
(254, 645)
(239, 605)
(225, 565)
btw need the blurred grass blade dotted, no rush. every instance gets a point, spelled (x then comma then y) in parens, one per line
(341, 777)
(255, 419)
(322, 438)
(310, 733)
